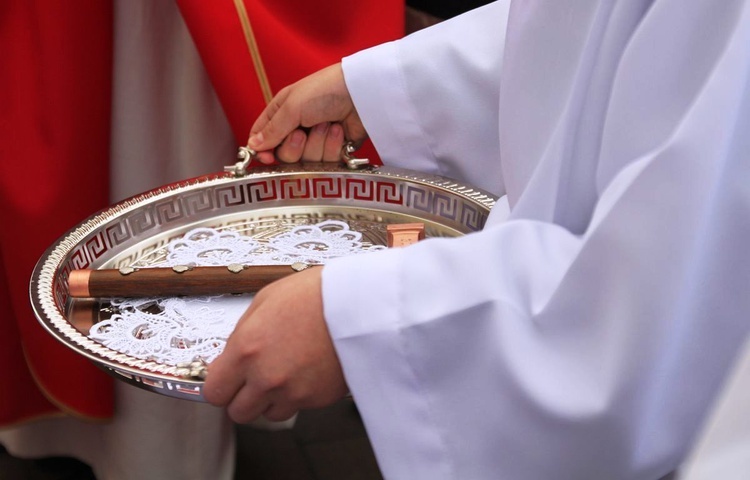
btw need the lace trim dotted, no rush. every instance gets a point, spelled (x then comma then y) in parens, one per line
(179, 330)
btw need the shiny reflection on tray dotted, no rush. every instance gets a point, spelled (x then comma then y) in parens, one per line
(262, 205)
(84, 313)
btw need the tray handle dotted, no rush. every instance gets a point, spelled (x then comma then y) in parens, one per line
(246, 155)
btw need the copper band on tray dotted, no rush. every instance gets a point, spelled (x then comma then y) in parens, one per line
(404, 234)
(78, 283)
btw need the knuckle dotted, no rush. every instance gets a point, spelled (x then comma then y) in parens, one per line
(261, 295)
(247, 352)
(272, 382)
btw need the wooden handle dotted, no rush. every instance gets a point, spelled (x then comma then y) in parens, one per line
(176, 281)
(166, 282)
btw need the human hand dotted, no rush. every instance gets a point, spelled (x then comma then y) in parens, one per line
(280, 358)
(320, 101)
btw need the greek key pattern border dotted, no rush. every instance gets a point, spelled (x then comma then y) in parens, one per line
(256, 192)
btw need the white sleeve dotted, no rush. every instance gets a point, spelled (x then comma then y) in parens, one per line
(555, 356)
(418, 123)
(559, 355)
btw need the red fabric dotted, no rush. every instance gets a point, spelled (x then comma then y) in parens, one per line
(55, 94)
(295, 39)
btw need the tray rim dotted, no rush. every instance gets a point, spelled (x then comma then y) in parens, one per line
(42, 294)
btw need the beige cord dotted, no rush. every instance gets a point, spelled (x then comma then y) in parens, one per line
(252, 45)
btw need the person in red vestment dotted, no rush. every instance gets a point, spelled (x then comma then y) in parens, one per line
(55, 93)
(54, 148)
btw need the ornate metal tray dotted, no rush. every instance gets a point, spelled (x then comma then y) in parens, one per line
(266, 202)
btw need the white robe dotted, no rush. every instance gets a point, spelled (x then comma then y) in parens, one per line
(587, 336)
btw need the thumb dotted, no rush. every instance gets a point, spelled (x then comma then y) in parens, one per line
(273, 125)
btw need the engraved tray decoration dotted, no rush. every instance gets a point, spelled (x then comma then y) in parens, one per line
(265, 203)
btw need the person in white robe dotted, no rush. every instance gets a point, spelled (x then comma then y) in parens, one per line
(587, 335)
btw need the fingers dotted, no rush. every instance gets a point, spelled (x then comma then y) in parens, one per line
(274, 124)
(292, 147)
(246, 394)
(279, 413)
(333, 143)
(247, 405)
(316, 140)
(267, 157)
(222, 382)
(322, 143)
(317, 99)
(280, 357)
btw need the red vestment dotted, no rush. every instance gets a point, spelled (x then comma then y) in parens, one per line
(54, 151)
(55, 97)
(295, 38)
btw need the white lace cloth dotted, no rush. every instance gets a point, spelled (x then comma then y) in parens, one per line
(179, 330)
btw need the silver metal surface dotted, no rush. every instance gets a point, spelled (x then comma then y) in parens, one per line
(264, 203)
(352, 162)
(245, 156)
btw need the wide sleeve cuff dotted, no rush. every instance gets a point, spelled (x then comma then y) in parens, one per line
(379, 91)
(387, 384)
(429, 101)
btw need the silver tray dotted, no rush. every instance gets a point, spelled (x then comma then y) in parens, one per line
(266, 202)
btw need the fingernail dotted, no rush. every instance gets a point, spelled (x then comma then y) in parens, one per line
(321, 128)
(297, 138)
(336, 131)
(255, 140)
